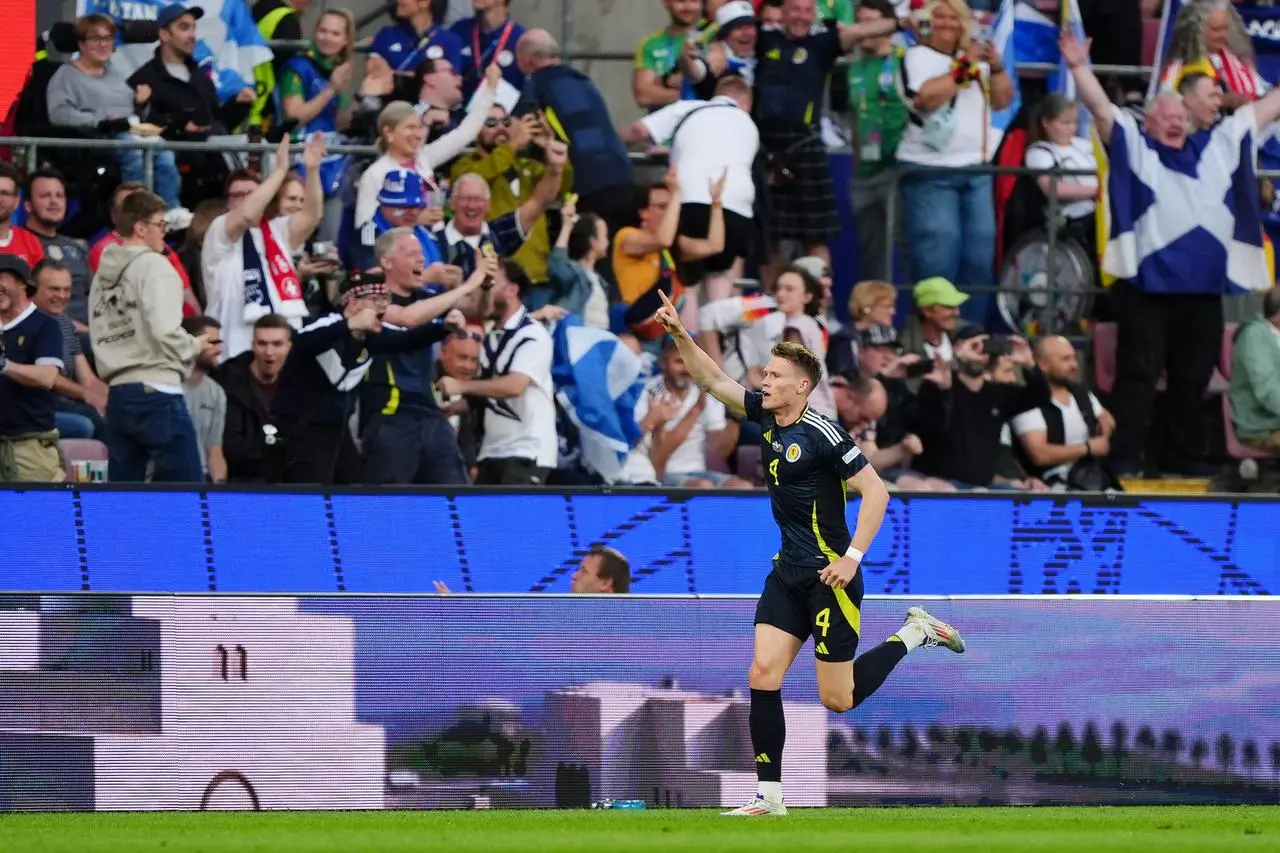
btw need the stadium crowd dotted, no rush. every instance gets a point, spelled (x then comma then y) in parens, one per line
(311, 317)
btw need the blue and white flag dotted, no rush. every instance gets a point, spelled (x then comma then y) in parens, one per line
(1035, 34)
(598, 384)
(1186, 221)
(1168, 15)
(1002, 36)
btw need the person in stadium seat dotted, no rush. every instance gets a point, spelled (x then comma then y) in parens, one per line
(14, 239)
(190, 307)
(46, 209)
(30, 359)
(401, 203)
(656, 80)
(82, 396)
(250, 381)
(1255, 378)
(207, 402)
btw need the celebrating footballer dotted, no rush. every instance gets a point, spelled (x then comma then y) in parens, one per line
(815, 588)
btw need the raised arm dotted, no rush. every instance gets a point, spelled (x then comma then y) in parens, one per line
(1266, 110)
(702, 367)
(305, 221)
(1088, 88)
(851, 34)
(439, 153)
(426, 310)
(250, 211)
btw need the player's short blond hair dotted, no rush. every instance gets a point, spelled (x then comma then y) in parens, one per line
(802, 357)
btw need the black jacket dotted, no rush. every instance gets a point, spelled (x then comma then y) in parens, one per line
(243, 442)
(174, 102)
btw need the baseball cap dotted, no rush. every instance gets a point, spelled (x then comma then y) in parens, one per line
(15, 266)
(174, 11)
(967, 331)
(938, 291)
(402, 188)
(879, 336)
(733, 13)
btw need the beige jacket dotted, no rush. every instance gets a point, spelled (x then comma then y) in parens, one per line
(135, 319)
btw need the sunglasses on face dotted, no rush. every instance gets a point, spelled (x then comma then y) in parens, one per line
(464, 335)
(491, 123)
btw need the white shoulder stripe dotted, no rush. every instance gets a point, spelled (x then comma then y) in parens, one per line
(823, 426)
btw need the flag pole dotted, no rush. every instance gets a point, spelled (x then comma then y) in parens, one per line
(1158, 64)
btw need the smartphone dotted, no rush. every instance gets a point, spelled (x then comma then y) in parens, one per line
(923, 368)
(320, 248)
(997, 345)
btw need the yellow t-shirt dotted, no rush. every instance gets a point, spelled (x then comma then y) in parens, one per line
(636, 276)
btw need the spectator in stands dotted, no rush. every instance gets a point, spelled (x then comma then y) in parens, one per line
(461, 238)
(250, 381)
(47, 209)
(1202, 97)
(14, 239)
(401, 138)
(277, 20)
(1169, 307)
(92, 94)
(575, 284)
(190, 307)
(247, 259)
(867, 410)
(206, 401)
(440, 98)
(872, 303)
(193, 244)
(602, 570)
(799, 297)
(520, 446)
(795, 60)
(311, 90)
(1054, 144)
(1210, 38)
(963, 414)
(1255, 378)
(770, 13)
(404, 437)
(29, 363)
(880, 120)
(683, 429)
(572, 106)
(183, 99)
(81, 395)
(1065, 437)
(401, 203)
(951, 225)
(400, 49)
(656, 80)
(489, 38)
(821, 271)
(460, 359)
(511, 155)
(318, 387)
(142, 351)
(732, 51)
(929, 332)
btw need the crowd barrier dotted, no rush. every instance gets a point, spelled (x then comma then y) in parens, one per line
(215, 702)
(146, 539)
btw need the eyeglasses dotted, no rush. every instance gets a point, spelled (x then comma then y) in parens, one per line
(464, 335)
(491, 123)
(158, 223)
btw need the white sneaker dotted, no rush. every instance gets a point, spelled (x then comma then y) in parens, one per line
(936, 632)
(758, 807)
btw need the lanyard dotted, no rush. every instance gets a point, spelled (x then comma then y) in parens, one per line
(481, 60)
(424, 41)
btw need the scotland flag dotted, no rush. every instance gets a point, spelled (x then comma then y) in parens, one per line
(1002, 37)
(598, 383)
(1186, 221)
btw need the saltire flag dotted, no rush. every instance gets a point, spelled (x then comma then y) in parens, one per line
(1061, 81)
(1168, 15)
(598, 383)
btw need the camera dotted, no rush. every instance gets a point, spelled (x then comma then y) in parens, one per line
(997, 345)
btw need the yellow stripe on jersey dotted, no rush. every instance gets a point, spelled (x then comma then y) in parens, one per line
(822, 543)
(849, 609)
(393, 402)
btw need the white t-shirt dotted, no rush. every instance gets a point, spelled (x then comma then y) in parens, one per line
(943, 350)
(718, 138)
(1074, 429)
(522, 427)
(222, 264)
(691, 456)
(922, 64)
(1077, 155)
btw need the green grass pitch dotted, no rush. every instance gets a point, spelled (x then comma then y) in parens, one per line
(1167, 829)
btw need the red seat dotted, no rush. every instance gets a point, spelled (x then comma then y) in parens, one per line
(1235, 448)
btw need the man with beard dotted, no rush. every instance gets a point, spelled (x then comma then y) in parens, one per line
(46, 208)
(1068, 423)
(520, 446)
(510, 155)
(15, 240)
(250, 380)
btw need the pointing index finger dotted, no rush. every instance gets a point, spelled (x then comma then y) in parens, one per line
(665, 300)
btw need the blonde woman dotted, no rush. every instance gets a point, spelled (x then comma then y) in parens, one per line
(872, 303)
(952, 84)
(401, 138)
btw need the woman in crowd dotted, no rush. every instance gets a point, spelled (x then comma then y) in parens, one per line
(1055, 145)
(402, 139)
(953, 85)
(872, 303)
(575, 284)
(312, 92)
(799, 297)
(1210, 37)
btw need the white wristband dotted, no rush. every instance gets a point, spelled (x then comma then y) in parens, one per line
(854, 554)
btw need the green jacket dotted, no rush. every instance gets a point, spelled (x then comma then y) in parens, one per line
(1255, 379)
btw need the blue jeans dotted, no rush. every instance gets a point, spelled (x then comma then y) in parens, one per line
(74, 417)
(145, 425)
(167, 183)
(72, 425)
(951, 232)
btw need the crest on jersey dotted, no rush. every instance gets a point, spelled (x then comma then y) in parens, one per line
(793, 453)
(799, 57)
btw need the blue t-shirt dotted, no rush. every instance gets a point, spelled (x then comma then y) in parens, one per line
(32, 338)
(481, 49)
(404, 49)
